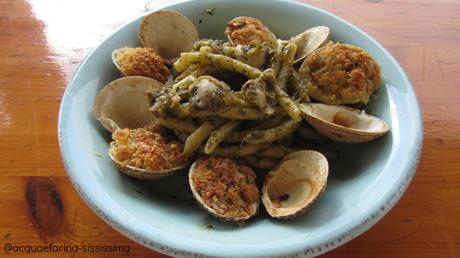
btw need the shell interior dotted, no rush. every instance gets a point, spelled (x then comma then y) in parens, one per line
(169, 33)
(115, 53)
(295, 184)
(123, 103)
(344, 124)
(310, 40)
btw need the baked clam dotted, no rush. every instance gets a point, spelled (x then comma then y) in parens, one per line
(295, 184)
(344, 124)
(341, 74)
(310, 40)
(249, 31)
(224, 188)
(138, 150)
(140, 62)
(168, 32)
(144, 153)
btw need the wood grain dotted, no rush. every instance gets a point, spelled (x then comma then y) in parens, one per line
(44, 41)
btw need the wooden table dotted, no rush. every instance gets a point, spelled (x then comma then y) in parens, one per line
(43, 42)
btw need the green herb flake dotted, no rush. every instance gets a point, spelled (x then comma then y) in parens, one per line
(210, 11)
(98, 154)
(207, 227)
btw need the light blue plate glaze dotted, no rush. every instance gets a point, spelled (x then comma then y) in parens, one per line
(361, 189)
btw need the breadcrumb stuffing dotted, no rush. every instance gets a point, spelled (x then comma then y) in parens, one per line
(226, 186)
(144, 62)
(341, 74)
(146, 148)
(249, 31)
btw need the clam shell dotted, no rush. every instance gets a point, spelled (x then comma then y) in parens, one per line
(119, 51)
(295, 184)
(140, 173)
(123, 103)
(350, 125)
(269, 36)
(310, 40)
(168, 32)
(115, 53)
(241, 220)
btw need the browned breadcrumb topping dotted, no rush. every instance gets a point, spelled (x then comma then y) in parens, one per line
(341, 74)
(249, 31)
(142, 61)
(146, 148)
(226, 186)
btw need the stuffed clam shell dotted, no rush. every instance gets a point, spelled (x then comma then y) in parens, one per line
(224, 188)
(245, 30)
(139, 149)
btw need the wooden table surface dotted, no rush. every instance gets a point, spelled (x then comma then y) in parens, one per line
(43, 42)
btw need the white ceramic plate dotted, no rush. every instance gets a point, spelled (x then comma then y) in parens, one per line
(362, 187)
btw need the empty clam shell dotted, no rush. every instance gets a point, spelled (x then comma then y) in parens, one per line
(169, 33)
(218, 208)
(310, 40)
(295, 184)
(124, 103)
(344, 124)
